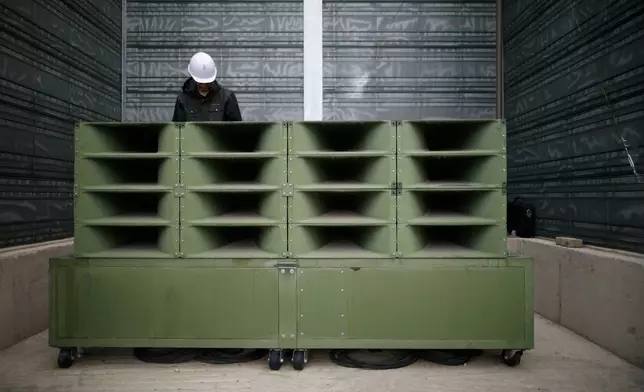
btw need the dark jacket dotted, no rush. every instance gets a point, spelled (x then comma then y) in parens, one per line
(219, 105)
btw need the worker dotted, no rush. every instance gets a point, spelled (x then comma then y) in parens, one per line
(202, 98)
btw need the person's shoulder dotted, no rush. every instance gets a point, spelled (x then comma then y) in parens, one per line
(227, 92)
(183, 96)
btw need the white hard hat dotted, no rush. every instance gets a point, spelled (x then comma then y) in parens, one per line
(202, 68)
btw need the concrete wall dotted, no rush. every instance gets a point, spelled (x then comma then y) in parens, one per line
(596, 293)
(24, 289)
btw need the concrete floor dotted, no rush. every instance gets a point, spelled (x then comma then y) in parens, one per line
(561, 362)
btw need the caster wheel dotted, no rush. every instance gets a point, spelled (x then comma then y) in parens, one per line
(66, 358)
(512, 358)
(299, 359)
(275, 359)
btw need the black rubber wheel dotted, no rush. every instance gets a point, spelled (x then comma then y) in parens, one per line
(298, 360)
(66, 358)
(275, 360)
(512, 358)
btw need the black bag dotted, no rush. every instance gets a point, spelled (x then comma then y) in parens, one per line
(521, 218)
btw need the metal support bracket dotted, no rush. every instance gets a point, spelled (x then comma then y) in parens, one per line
(287, 190)
(179, 190)
(396, 188)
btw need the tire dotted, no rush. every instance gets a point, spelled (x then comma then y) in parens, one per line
(299, 359)
(275, 360)
(66, 358)
(512, 358)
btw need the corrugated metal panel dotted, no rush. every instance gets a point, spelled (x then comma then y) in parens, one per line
(60, 62)
(409, 59)
(257, 46)
(574, 99)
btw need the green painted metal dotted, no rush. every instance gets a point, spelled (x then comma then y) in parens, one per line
(449, 241)
(452, 208)
(124, 203)
(452, 174)
(367, 208)
(442, 303)
(234, 139)
(152, 302)
(342, 138)
(287, 309)
(483, 304)
(234, 241)
(445, 136)
(342, 242)
(130, 139)
(291, 235)
(336, 156)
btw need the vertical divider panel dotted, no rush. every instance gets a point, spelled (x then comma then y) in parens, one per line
(397, 125)
(287, 306)
(287, 127)
(181, 199)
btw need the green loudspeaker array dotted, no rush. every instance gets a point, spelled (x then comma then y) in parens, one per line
(452, 203)
(289, 236)
(125, 177)
(235, 176)
(343, 205)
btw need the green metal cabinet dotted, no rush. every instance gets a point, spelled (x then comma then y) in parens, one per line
(292, 235)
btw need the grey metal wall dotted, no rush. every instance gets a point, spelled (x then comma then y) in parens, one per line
(574, 104)
(257, 46)
(60, 62)
(409, 59)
